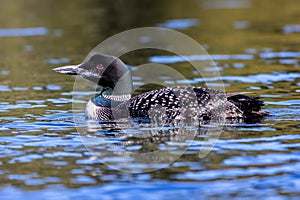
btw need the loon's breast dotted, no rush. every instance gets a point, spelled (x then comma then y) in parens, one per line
(97, 112)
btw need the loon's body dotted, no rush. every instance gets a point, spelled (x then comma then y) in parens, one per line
(115, 99)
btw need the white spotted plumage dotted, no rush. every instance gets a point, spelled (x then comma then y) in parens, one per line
(172, 103)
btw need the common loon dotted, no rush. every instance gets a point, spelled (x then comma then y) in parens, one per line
(115, 98)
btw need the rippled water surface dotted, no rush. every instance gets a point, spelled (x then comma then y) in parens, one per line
(49, 151)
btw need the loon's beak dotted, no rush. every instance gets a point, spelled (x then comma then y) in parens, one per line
(77, 70)
(70, 69)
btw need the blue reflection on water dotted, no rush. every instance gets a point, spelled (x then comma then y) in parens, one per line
(57, 60)
(288, 29)
(21, 32)
(228, 4)
(244, 187)
(258, 78)
(271, 158)
(179, 24)
(283, 54)
(177, 59)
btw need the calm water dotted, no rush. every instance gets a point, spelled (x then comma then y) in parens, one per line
(255, 45)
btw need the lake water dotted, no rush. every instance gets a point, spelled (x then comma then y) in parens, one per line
(255, 45)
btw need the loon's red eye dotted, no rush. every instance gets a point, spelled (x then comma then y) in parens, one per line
(100, 66)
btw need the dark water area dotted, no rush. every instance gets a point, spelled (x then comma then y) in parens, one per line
(46, 154)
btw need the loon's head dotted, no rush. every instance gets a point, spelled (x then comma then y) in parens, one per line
(104, 70)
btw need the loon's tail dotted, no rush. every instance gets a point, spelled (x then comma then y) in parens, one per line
(251, 107)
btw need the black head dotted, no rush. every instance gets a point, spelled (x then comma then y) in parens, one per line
(104, 70)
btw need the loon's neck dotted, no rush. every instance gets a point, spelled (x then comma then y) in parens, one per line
(106, 96)
(108, 93)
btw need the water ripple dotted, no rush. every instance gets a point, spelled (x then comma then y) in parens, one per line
(239, 172)
(179, 24)
(258, 78)
(283, 54)
(23, 32)
(288, 29)
(265, 159)
(178, 59)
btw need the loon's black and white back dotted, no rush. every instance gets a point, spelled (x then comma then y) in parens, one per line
(115, 98)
